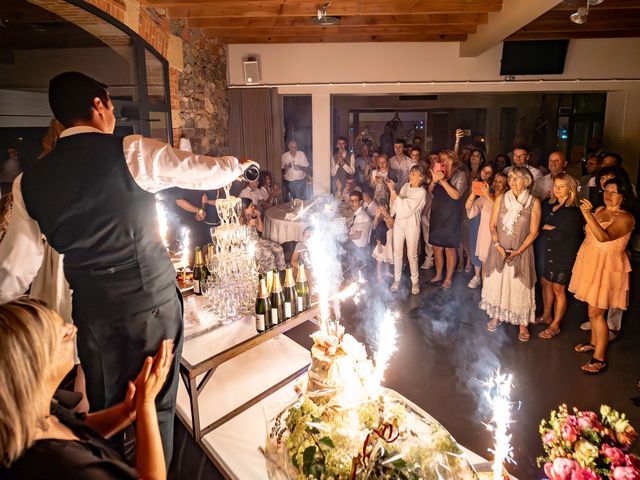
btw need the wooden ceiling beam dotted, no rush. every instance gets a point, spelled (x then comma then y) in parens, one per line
(569, 5)
(343, 38)
(282, 8)
(577, 34)
(569, 26)
(361, 21)
(334, 31)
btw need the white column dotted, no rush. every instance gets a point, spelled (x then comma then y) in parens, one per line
(321, 126)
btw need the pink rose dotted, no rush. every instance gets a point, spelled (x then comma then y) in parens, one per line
(572, 420)
(625, 473)
(632, 461)
(614, 454)
(549, 437)
(569, 433)
(586, 474)
(562, 469)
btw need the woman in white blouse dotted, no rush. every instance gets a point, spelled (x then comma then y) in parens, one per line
(406, 207)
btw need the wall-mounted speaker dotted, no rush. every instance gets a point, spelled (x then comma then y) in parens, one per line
(251, 72)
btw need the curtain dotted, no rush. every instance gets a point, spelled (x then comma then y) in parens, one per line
(256, 127)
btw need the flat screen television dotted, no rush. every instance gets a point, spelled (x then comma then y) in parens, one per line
(533, 57)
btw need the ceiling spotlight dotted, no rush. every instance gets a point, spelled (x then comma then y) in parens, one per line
(323, 19)
(593, 3)
(580, 16)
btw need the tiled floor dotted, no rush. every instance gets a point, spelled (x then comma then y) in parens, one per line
(444, 352)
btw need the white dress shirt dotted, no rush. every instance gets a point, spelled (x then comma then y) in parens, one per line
(256, 195)
(401, 165)
(288, 162)
(371, 208)
(348, 166)
(153, 165)
(360, 222)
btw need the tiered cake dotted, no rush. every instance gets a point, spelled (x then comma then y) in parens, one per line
(343, 427)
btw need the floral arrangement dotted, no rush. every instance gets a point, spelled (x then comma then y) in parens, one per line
(580, 446)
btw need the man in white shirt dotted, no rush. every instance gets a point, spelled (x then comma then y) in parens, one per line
(343, 163)
(543, 186)
(368, 203)
(521, 159)
(358, 232)
(294, 166)
(400, 163)
(93, 198)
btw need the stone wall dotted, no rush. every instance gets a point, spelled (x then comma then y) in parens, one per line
(197, 68)
(202, 86)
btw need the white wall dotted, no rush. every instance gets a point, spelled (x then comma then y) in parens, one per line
(599, 65)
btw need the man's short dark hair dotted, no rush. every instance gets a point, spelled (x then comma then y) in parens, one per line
(616, 156)
(356, 193)
(367, 190)
(415, 149)
(400, 140)
(341, 138)
(71, 97)
(522, 147)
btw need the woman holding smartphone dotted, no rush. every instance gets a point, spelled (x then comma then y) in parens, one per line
(478, 207)
(445, 225)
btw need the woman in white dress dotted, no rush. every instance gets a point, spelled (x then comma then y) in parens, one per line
(406, 207)
(508, 293)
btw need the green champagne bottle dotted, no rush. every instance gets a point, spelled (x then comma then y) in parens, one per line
(302, 289)
(277, 300)
(263, 306)
(200, 272)
(290, 294)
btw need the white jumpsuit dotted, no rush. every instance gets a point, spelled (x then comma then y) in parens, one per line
(407, 210)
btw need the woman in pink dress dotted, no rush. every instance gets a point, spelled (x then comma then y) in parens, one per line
(482, 206)
(600, 274)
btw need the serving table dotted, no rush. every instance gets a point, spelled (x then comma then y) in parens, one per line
(280, 227)
(233, 379)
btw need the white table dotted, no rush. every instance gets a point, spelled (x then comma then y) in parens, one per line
(234, 446)
(281, 230)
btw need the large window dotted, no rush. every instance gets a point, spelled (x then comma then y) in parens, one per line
(36, 44)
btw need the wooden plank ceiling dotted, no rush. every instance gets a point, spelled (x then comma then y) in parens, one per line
(290, 21)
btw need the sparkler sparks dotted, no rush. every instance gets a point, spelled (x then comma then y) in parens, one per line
(185, 245)
(163, 224)
(498, 391)
(387, 335)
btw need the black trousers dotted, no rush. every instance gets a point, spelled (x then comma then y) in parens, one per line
(112, 346)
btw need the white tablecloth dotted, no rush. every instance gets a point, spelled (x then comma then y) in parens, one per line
(281, 230)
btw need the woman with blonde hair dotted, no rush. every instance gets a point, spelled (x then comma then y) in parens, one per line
(41, 439)
(560, 237)
(508, 293)
(447, 208)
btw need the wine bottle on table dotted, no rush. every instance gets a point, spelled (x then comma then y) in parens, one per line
(277, 300)
(263, 306)
(302, 289)
(290, 294)
(200, 272)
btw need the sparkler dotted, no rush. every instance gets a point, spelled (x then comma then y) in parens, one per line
(163, 224)
(304, 210)
(185, 243)
(387, 335)
(498, 391)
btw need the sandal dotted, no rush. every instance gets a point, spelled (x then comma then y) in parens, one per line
(445, 286)
(540, 320)
(594, 366)
(492, 325)
(467, 269)
(584, 347)
(524, 336)
(549, 333)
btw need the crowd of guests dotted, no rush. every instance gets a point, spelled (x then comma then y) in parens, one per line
(519, 227)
